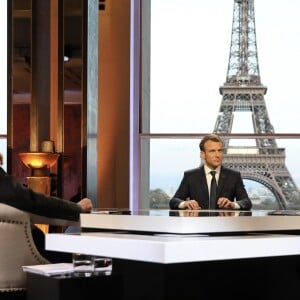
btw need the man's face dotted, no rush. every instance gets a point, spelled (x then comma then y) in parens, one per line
(212, 154)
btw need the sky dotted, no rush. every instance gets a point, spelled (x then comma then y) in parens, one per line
(190, 46)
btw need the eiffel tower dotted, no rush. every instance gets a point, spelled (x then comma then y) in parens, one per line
(243, 91)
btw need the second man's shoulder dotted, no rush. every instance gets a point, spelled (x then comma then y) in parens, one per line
(193, 171)
(230, 171)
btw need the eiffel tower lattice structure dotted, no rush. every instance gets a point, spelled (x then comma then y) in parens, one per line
(243, 91)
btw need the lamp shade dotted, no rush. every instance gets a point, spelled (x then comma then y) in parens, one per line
(36, 160)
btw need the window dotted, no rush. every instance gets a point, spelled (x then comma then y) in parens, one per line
(185, 59)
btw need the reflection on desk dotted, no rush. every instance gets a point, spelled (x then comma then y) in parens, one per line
(111, 211)
(209, 213)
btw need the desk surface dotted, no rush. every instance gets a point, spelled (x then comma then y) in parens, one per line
(190, 221)
(175, 248)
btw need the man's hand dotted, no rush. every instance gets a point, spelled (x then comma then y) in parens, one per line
(86, 205)
(191, 204)
(225, 203)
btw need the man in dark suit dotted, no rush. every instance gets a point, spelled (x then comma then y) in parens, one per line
(194, 189)
(14, 193)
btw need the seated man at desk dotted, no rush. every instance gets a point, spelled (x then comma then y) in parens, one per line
(211, 186)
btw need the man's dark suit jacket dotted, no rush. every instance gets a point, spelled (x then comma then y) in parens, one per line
(194, 187)
(14, 193)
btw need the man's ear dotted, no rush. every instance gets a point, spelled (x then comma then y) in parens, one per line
(202, 154)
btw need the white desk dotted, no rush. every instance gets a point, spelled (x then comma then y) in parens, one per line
(166, 250)
(180, 238)
(162, 267)
(155, 267)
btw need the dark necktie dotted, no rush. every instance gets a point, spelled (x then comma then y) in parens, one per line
(213, 191)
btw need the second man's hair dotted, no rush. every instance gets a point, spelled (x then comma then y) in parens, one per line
(210, 137)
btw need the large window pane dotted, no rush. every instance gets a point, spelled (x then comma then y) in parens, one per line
(169, 158)
(190, 45)
(189, 50)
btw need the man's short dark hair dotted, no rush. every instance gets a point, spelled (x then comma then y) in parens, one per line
(209, 137)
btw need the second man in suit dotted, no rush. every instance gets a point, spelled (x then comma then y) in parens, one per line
(194, 189)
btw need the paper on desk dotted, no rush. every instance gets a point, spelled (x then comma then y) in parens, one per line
(181, 235)
(50, 269)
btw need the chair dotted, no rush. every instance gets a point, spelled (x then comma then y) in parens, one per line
(17, 249)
